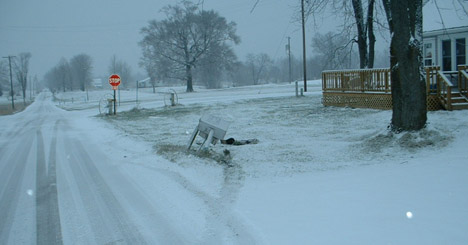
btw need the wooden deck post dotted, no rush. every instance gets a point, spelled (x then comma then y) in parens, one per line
(428, 79)
(449, 98)
(324, 82)
(361, 76)
(387, 73)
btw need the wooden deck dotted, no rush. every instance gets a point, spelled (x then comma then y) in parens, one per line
(371, 88)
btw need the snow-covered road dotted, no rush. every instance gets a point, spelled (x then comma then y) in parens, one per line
(41, 155)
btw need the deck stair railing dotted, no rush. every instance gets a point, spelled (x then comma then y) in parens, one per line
(444, 90)
(463, 80)
(452, 95)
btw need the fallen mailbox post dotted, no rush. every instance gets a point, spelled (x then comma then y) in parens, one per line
(110, 104)
(211, 128)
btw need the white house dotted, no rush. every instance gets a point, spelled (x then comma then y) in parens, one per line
(97, 83)
(446, 48)
(445, 35)
(143, 83)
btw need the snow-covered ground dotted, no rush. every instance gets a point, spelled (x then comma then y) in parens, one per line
(319, 175)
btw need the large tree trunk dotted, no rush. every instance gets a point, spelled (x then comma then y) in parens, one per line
(254, 76)
(362, 34)
(408, 86)
(188, 73)
(24, 95)
(370, 33)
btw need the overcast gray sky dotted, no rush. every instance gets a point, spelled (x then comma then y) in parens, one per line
(52, 29)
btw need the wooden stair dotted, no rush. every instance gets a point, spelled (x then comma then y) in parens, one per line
(459, 102)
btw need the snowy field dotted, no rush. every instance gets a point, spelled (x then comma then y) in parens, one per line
(318, 175)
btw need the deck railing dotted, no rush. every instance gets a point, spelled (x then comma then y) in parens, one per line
(342, 86)
(463, 79)
(365, 80)
(378, 80)
(431, 78)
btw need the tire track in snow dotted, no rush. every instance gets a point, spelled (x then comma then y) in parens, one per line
(15, 132)
(48, 229)
(109, 220)
(222, 220)
(11, 177)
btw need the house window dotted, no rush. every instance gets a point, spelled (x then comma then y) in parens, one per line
(446, 55)
(461, 51)
(428, 54)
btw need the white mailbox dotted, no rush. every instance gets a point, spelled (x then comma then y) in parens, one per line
(211, 128)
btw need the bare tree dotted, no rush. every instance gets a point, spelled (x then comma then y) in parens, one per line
(21, 64)
(408, 86)
(214, 63)
(365, 30)
(352, 13)
(81, 66)
(51, 80)
(151, 69)
(332, 50)
(60, 77)
(3, 75)
(63, 74)
(184, 37)
(113, 65)
(126, 74)
(382, 58)
(239, 74)
(258, 66)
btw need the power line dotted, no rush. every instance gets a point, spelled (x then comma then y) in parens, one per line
(72, 29)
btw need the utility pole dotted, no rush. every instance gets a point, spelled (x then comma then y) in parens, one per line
(304, 47)
(35, 86)
(137, 92)
(30, 88)
(289, 58)
(11, 82)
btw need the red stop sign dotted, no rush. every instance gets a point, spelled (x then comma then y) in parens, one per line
(114, 80)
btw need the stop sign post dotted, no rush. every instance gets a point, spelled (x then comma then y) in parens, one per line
(114, 81)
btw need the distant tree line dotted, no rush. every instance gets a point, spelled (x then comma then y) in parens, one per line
(76, 73)
(4, 76)
(69, 75)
